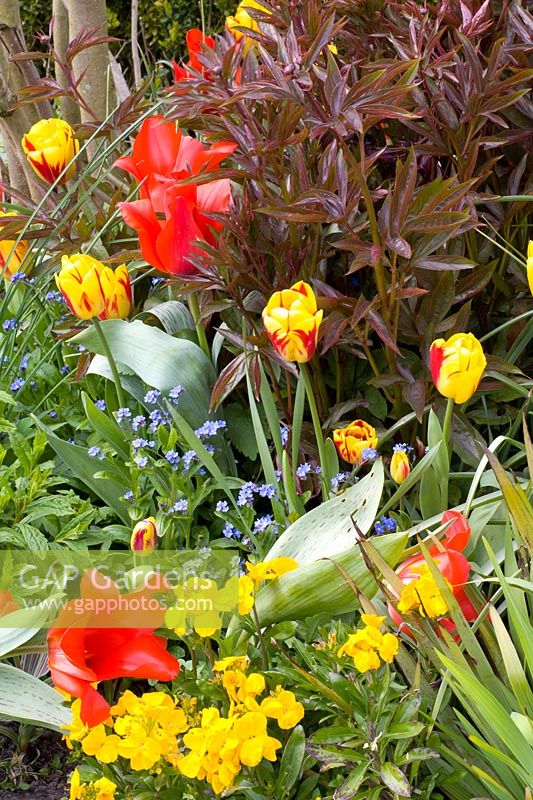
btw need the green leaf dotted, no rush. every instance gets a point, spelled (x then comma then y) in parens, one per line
(351, 785)
(241, 430)
(109, 489)
(291, 762)
(319, 587)
(173, 315)
(159, 360)
(329, 528)
(394, 779)
(27, 699)
(108, 429)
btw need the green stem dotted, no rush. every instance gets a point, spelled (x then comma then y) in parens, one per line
(318, 429)
(447, 438)
(112, 362)
(262, 645)
(194, 308)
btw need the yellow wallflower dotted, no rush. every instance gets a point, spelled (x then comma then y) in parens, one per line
(368, 645)
(270, 570)
(246, 594)
(423, 595)
(105, 789)
(98, 744)
(231, 662)
(283, 707)
(102, 789)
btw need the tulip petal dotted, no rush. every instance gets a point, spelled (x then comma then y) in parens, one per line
(140, 216)
(143, 656)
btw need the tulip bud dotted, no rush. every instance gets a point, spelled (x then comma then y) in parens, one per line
(292, 321)
(50, 145)
(94, 290)
(399, 466)
(457, 366)
(530, 265)
(10, 260)
(352, 440)
(144, 536)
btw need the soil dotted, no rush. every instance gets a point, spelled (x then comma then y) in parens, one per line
(40, 774)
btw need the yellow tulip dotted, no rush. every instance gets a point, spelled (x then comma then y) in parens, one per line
(50, 145)
(242, 19)
(144, 535)
(399, 466)
(352, 440)
(11, 259)
(530, 265)
(292, 321)
(93, 290)
(457, 366)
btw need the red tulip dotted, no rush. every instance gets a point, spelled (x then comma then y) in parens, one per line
(80, 657)
(453, 565)
(196, 41)
(161, 149)
(169, 223)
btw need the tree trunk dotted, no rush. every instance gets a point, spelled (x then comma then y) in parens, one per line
(15, 120)
(96, 85)
(69, 110)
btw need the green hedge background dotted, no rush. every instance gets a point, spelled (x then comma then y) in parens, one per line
(162, 24)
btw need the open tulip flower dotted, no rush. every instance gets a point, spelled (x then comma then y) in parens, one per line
(93, 290)
(11, 259)
(170, 224)
(171, 217)
(292, 321)
(81, 657)
(457, 366)
(452, 564)
(195, 40)
(50, 145)
(352, 440)
(160, 149)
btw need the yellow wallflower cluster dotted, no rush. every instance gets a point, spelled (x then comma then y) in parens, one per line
(220, 746)
(102, 789)
(368, 645)
(151, 730)
(423, 595)
(142, 730)
(257, 574)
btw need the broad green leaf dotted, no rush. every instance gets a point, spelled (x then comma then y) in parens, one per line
(514, 669)
(351, 785)
(109, 489)
(319, 587)
(108, 429)
(19, 627)
(159, 360)
(329, 528)
(27, 699)
(291, 762)
(173, 315)
(393, 777)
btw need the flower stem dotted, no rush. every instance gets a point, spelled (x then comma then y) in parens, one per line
(447, 439)
(112, 362)
(194, 308)
(318, 429)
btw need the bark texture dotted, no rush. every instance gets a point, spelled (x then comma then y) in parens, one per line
(69, 110)
(96, 85)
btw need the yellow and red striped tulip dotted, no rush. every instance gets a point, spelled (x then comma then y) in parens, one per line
(457, 365)
(292, 321)
(352, 440)
(144, 536)
(50, 145)
(399, 466)
(530, 265)
(11, 259)
(93, 290)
